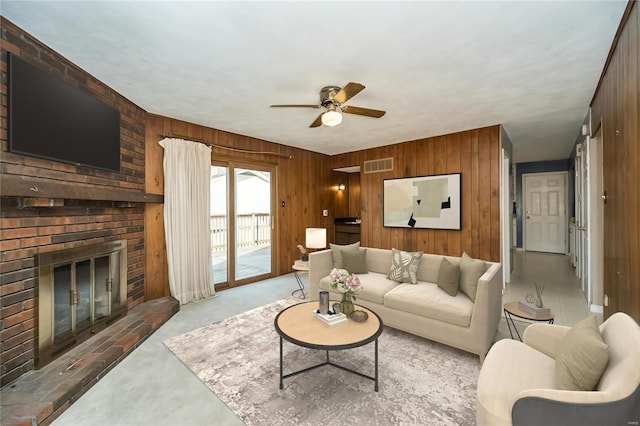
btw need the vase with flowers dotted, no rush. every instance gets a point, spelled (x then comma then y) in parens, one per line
(347, 284)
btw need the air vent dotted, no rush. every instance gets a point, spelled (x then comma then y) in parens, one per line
(377, 166)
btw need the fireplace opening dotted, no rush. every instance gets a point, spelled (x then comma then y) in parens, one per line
(80, 292)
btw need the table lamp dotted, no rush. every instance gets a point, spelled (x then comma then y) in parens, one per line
(316, 238)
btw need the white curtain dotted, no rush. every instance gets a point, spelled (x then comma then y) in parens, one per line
(187, 176)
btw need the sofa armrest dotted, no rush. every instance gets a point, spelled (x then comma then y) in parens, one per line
(545, 338)
(552, 407)
(568, 396)
(320, 265)
(487, 308)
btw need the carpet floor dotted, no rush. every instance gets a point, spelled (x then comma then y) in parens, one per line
(421, 382)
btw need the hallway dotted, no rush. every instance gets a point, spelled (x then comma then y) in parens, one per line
(562, 291)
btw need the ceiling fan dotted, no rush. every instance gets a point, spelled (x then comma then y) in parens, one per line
(332, 99)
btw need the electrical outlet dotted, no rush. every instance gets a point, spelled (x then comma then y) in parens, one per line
(325, 213)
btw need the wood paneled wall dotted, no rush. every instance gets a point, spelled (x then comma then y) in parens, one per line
(616, 111)
(305, 184)
(475, 154)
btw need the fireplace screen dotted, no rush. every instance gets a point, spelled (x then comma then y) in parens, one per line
(80, 292)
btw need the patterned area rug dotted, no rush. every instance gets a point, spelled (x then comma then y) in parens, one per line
(421, 382)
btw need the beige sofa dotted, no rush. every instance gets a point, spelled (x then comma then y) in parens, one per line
(518, 382)
(422, 309)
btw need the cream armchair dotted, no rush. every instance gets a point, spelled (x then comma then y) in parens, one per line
(517, 383)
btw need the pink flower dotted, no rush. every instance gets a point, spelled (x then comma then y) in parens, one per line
(345, 282)
(353, 283)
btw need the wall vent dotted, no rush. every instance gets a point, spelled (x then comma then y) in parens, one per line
(377, 166)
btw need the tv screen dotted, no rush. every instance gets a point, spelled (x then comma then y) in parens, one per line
(51, 119)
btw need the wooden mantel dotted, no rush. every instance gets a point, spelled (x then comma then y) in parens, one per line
(26, 186)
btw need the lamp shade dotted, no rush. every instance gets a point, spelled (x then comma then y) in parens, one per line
(331, 118)
(316, 238)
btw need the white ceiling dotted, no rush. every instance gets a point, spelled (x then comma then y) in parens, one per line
(435, 67)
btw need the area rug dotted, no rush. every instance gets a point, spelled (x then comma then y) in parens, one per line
(421, 382)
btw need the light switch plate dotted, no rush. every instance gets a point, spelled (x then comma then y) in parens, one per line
(325, 213)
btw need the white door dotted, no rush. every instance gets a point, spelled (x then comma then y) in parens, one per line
(545, 212)
(505, 218)
(579, 256)
(582, 208)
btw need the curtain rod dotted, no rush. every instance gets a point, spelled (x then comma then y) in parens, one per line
(213, 145)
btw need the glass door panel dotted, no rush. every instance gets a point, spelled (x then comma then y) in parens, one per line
(101, 289)
(83, 288)
(241, 222)
(62, 321)
(252, 223)
(219, 224)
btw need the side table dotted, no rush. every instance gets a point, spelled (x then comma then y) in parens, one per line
(511, 310)
(296, 271)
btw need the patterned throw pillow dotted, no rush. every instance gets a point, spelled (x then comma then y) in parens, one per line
(404, 266)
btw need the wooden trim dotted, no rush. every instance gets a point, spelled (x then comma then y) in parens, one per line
(614, 44)
(25, 186)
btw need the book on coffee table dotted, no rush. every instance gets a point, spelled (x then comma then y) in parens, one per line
(331, 320)
(533, 310)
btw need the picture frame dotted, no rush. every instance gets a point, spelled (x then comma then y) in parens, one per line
(423, 202)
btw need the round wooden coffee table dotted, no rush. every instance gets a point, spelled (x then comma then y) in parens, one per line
(511, 310)
(296, 324)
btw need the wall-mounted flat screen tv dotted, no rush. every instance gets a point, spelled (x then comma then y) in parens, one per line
(50, 119)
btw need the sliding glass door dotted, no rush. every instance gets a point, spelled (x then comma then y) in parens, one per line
(219, 223)
(241, 223)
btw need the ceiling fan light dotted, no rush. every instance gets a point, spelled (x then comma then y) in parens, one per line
(331, 118)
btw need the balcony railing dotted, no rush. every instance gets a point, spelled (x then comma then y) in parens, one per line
(252, 230)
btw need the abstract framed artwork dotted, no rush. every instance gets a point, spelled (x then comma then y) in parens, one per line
(430, 202)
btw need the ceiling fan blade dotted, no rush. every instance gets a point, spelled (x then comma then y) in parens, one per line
(375, 113)
(296, 106)
(317, 122)
(348, 92)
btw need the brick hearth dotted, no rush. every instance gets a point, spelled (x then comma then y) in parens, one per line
(40, 396)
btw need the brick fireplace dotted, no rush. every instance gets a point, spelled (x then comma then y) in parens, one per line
(48, 206)
(31, 232)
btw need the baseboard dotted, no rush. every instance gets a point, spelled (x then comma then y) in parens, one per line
(519, 248)
(596, 309)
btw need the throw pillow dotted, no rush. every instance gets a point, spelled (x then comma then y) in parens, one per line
(582, 357)
(404, 266)
(337, 250)
(449, 277)
(470, 272)
(355, 263)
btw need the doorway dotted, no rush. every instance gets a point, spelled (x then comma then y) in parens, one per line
(545, 212)
(242, 223)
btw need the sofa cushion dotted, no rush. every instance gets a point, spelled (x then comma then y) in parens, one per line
(470, 272)
(427, 300)
(509, 368)
(449, 277)
(404, 266)
(355, 262)
(582, 357)
(337, 250)
(374, 287)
